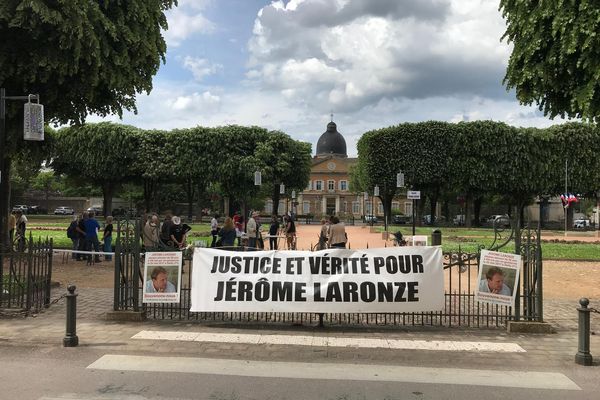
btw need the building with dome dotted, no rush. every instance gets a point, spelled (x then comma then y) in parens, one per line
(328, 191)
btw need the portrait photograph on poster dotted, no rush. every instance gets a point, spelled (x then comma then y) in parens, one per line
(498, 278)
(418, 240)
(162, 277)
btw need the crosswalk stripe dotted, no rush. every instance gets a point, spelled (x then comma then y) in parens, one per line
(330, 371)
(300, 340)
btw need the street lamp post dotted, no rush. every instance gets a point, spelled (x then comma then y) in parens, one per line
(30, 124)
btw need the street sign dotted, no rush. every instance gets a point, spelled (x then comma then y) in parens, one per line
(413, 194)
(33, 122)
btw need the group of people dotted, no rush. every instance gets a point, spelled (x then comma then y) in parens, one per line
(333, 234)
(83, 232)
(252, 234)
(170, 233)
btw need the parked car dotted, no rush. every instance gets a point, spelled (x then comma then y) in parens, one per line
(120, 211)
(37, 210)
(370, 219)
(400, 219)
(581, 223)
(20, 207)
(505, 220)
(459, 220)
(95, 210)
(64, 211)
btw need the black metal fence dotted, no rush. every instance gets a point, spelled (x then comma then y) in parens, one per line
(460, 281)
(25, 276)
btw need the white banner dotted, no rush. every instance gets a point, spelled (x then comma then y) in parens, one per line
(394, 279)
(498, 278)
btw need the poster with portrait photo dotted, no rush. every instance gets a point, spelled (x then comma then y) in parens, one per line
(162, 277)
(498, 278)
(418, 240)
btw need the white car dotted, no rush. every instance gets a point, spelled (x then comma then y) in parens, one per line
(64, 211)
(581, 223)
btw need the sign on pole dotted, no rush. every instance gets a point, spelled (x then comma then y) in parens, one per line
(400, 180)
(413, 194)
(33, 122)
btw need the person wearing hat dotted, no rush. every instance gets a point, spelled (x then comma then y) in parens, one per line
(177, 233)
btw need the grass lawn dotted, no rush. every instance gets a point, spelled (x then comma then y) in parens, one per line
(453, 238)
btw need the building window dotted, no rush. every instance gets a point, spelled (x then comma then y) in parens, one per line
(395, 205)
(269, 207)
(309, 187)
(356, 207)
(369, 207)
(331, 185)
(318, 185)
(379, 208)
(345, 209)
(306, 207)
(281, 208)
(408, 208)
(344, 185)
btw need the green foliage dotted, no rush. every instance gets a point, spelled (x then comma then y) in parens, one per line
(555, 60)
(81, 56)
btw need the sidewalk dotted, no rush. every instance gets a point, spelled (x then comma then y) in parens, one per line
(542, 352)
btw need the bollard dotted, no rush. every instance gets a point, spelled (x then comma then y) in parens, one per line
(321, 325)
(71, 339)
(583, 356)
(436, 238)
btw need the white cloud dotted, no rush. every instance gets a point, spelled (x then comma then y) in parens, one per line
(184, 21)
(201, 67)
(378, 50)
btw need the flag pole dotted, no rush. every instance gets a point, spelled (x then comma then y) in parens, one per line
(566, 193)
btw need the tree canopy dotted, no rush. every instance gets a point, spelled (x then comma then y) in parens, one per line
(555, 60)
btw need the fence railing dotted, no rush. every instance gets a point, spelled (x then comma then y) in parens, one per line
(25, 276)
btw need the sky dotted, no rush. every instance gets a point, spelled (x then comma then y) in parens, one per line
(288, 65)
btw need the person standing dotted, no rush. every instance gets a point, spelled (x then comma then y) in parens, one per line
(177, 234)
(81, 246)
(91, 237)
(107, 238)
(227, 233)
(74, 235)
(252, 230)
(12, 223)
(165, 230)
(21, 228)
(324, 234)
(273, 231)
(214, 229)
(151, 233)
(290, 232)
(337, 234)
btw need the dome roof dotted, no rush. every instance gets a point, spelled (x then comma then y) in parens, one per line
(331, 142)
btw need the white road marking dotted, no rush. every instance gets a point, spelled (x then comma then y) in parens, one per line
(330, 371)
(302, 340)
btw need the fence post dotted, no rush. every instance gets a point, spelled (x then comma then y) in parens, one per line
(71, 339)
(436, 238)
(50, 249)
(583, 356)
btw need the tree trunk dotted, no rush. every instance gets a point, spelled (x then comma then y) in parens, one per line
(477, 210)
(4, 198)
(432, 207)
(468, 201)
(275, 199)
(149, 195)
(189, 188)
(108, 189)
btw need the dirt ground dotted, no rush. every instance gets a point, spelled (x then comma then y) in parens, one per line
(565, 280)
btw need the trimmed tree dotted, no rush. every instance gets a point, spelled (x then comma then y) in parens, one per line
(555, 61)
(81, 57)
